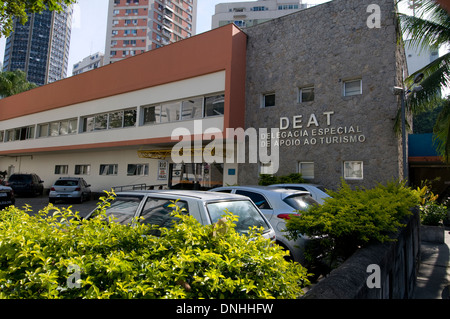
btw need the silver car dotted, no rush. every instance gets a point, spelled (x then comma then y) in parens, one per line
(317, 191)
(206, 207)
(278, 205)
(69, 188)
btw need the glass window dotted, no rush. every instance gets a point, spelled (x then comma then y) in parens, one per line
(248, 215)
(61, 169)
(306, 169)
(300, 202)
(64, 128)
(170, 112)
(82, 169)
(353, 87)
(129, 118)
(137, 169)
(108, 169)
(88, 124)
(43, 130)
(192, 108)
(123, 208)
(268, 100)
(353, 170)
(152, 114)
(258, 199)
(54, 129)
(100, 122)
(73, 126)
(306, 94)
(214, 105)
(157, 211)
(115, 119)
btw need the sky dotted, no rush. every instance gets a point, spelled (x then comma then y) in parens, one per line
(89, 26)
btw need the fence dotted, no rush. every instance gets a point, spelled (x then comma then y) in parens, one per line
(397, 261)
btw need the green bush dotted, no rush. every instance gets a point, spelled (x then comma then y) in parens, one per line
(56, 254)
(350, 219)
(267, 179)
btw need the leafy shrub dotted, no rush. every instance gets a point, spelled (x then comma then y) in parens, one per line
(267, 179)
(351, 219)
(431, 213)
(56, 254)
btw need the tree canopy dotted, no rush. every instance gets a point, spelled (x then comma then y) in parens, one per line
(14, 82)
(10, 9)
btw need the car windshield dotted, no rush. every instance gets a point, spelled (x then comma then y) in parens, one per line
(248, 215)
(300, 202)
(65, 182)
(123, 208)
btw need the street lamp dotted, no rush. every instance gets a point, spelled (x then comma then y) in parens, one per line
(404, 95)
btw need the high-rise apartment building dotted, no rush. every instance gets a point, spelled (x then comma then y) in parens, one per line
(136, 26)
(40, 47)
(89, 63)
(250, 13)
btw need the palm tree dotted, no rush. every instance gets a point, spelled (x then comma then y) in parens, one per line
(13, 82)
(430, 28)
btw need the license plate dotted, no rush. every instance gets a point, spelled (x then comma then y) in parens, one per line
(3, 194)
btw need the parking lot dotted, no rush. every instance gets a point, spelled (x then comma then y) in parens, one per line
(39, 202)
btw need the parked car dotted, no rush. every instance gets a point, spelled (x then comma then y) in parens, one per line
(6, 197)
(277, 205)
(70, 188)
(206, 207)
(29, 184)
(317, 191)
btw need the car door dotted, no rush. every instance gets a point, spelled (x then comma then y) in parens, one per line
(260, 201)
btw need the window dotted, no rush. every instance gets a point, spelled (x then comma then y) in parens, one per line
(151, 114)
(137, 170)
(157, 211)
(214, 105)
(353, 170)
(353, 87)
(192, 109)
(20, 134)
(61, 169)
(306, 169)
(2, 136)
(306, 94)
(84, 169)
(268, 100)
(170, 112)
(259, 200)
(116, 119)
(108, 169)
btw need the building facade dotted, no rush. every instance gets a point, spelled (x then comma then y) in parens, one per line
(40, 47)
(136, 26)
(304, 80)
(89, 63)
(247, 14)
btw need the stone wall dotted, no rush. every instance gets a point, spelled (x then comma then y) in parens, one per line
(323, 47)
(398, 264)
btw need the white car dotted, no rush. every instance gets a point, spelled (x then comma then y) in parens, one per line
(206, 207)
(277, 205)
(317, 191)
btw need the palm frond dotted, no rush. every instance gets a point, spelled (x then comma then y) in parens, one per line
(441, 132)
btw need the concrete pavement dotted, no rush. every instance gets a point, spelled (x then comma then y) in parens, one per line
(433, 280)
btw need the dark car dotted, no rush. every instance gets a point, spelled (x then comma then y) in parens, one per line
(26, 184)
(6, 197)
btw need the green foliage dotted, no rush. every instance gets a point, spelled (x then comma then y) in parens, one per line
(351, 219)
(431, 213)
(14, 82)
(10, 9)
(267, 179)
(55, 254)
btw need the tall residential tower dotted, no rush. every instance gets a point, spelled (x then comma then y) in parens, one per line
(40, 47)
(136, 26)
